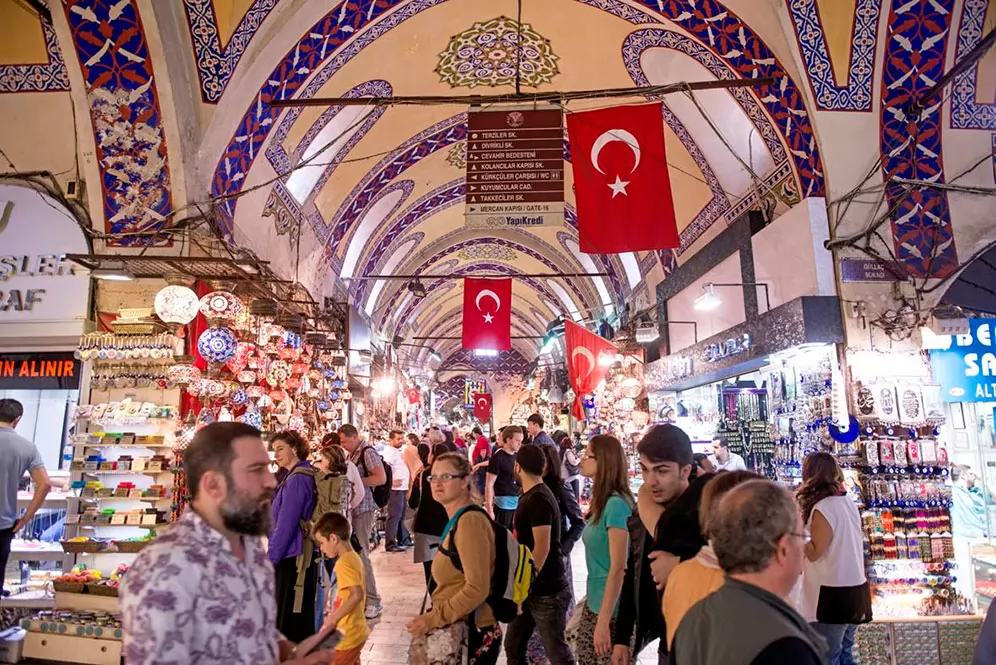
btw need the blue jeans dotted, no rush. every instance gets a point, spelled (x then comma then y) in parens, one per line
(840, 641)
(395, 532)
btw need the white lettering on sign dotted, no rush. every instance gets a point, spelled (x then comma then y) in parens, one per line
(730, 347)
(40, 265)
(15, 301)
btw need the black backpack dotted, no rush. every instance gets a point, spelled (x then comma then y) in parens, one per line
(514, 569)
(381, 493)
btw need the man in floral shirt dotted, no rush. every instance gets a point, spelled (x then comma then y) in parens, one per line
(204, 592)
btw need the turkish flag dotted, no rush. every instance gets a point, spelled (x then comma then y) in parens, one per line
(584, 352)
(487, 314)
(621, 183)
(413, 396)
(482, 406)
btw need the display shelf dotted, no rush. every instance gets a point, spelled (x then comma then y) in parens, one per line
(38, 599)
(99, 499)
(51, 501)
(124, 445)
(127, 473)
(36, 555)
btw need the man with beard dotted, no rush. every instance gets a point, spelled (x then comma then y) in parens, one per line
(664, 530)
(204, 591)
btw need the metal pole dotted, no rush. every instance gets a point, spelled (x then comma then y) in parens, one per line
(525, 97)
(548, 275)
(767, 298)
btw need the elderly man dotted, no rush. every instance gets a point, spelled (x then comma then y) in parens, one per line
(758, 536)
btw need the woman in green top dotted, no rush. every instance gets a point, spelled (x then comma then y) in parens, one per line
(606, 544)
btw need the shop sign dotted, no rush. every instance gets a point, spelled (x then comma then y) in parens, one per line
(966, 369)
(37, 284)
(39, 371)
(731, 347)
(470, 388)
(869, 270)
(515, 168)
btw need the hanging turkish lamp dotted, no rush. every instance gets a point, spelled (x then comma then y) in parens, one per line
(221, 305)
(183, 373)
(252, 417)
(246, 376)
(176, 304)
(185, 432)
(217, 345)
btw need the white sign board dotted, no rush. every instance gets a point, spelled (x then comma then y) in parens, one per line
(41, 294)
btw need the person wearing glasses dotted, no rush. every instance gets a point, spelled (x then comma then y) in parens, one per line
(759, 540)
(835, 594)
(460, 595)
(606, 545)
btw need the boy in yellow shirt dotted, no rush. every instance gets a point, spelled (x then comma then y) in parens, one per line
(347, 612)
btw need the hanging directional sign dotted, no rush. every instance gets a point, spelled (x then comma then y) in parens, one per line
(515, 168)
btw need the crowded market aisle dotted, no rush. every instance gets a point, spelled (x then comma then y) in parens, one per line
(401, 589)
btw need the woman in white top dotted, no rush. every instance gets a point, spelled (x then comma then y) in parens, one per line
(835, 593)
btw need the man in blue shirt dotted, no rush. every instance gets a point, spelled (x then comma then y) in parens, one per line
(534, 425)
(17, 455)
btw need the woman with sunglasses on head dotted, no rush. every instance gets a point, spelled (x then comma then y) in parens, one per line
(606, 545)
(835, 593)
(461, 594)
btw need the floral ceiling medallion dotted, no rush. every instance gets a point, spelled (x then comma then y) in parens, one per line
(457, 155)
(488, 52)
(488, 251)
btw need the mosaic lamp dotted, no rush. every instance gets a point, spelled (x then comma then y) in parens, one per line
(177, 305)
(217, 345)
(221, 305)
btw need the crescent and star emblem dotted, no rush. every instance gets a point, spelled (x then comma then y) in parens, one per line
(482, 402)
(586, 353)
(619, 186)
(488, 293)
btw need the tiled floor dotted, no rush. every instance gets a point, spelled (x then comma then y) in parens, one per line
(402, 585)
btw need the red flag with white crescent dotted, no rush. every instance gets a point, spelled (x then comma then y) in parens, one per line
(482, 406)
(621, 183)
(413, 396)
(487, 314)
(587, 355)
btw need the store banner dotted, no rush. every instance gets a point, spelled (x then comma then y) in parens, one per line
(39, 371)
(472, 387)
(966, 368)
(487, 314)
(482, 406)
(413, 396)
(586, 361)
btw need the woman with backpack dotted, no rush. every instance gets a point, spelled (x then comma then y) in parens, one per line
(430, 516)
(606, 547)
(289, 550)
(460, 618)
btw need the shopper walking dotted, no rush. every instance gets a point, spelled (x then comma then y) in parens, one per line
(538, 526)
(570, 462)
(480, 455)
(534, 425)
(501, 492)
(835, 592)
(17, 457)
(606, 538)
(206, 581)
(289, 549)
(430, 515)
(664, 531)
(371, 467)
(759, 542)
(410, 453)
(693, 580)
(458, 602)
(396, 535)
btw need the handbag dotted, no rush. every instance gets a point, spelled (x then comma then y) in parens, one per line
(442, 646)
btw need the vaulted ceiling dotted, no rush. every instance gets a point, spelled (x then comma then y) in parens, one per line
(172, 113)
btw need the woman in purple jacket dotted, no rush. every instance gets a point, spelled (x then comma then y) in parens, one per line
(294, 502)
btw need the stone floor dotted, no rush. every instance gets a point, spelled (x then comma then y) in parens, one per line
(401, 586)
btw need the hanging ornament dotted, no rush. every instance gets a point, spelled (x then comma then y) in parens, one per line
(240, 398)
(252, 417)
(183, 374)
(217, 345)
(221, 305)
(224, 415)
(241, 358)
(177, 305)
(246, 376)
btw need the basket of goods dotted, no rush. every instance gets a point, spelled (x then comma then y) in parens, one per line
(109, 587)
(131, 546)
(77, 580)
(81, 545)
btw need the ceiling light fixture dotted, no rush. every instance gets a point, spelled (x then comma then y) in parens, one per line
(708, 299)
(417, 288)
(113, 271)
(435, 355)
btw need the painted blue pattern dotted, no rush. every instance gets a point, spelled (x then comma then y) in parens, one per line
(216, 64)
(50, 76)
(966, 112)
(856, 95)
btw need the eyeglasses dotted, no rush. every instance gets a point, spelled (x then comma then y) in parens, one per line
(805, 535)
(444, 477)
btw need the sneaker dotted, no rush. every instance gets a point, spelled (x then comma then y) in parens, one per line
(374, 612)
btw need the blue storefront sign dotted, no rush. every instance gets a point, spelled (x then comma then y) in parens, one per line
(966, 368)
